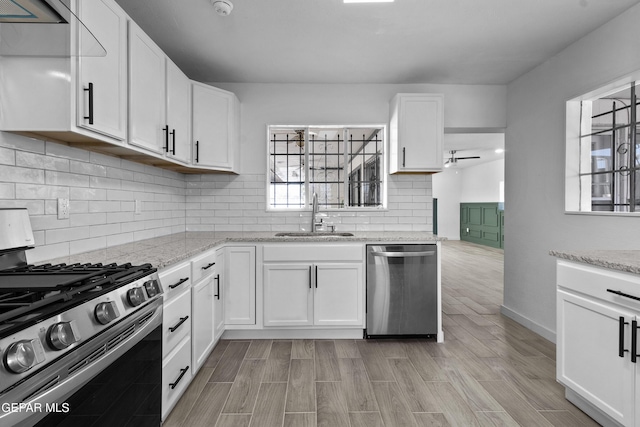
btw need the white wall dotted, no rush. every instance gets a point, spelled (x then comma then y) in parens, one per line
(447, 188)
(535, 221)
(481, 183)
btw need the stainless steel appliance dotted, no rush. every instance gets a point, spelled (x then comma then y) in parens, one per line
(402, 292)
(81, 344)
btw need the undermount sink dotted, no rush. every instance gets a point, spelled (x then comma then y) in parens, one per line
(310, 234)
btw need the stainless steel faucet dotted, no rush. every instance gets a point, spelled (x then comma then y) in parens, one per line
(314, 211)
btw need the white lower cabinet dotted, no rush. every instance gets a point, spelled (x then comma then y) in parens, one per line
(176, 376)
(240, 285)
(320, 286)
(176, 334)
(596, 335)
(203, 333)
(288, 295)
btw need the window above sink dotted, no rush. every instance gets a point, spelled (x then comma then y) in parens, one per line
(343, 165)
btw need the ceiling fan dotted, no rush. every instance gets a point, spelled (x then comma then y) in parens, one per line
(453, 160)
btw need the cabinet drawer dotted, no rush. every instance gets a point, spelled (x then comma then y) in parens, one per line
(176, 372)
(176, 279)
(596, 281)
(176, 322)
(203, 265)
(317, 252)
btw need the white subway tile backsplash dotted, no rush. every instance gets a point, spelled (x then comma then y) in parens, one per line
(67, 152)
(22, 143)
(85, 168)
(7, 190)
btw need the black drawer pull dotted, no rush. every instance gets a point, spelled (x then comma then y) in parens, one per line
(634, 341)
(182, 372)
(208, 266)
(182, 320)
(180, 282)
(90, 116)
(197, 151)
(404, 156)
(621, 349)
(217, 279)
(173, 135)
(622, 294)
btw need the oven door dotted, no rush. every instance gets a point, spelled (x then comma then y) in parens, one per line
(112, 380)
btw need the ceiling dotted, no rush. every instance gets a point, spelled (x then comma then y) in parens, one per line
(326, 41)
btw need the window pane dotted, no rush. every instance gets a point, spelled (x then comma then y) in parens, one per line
(313, 159)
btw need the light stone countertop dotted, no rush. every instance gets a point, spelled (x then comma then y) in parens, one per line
(622, 260)
(171, 249)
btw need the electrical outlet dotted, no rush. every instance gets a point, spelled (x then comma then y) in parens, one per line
(63, 208)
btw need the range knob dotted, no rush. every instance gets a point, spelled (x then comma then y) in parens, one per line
(153, 288)
(105, 312)
(135, 296)
(23, 355)
(62, 335)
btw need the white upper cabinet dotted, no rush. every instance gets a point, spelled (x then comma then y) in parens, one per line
(51, 96)
(215, 128)
(178, 124)
(416, 133)
(147, 116)
(102, 81)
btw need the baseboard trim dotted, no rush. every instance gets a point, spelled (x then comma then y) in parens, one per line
(529, 324)
(256, 334)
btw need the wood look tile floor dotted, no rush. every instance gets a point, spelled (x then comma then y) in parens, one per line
(490, 371)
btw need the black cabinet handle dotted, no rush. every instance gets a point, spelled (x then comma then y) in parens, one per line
(403, 155)
(310, 277)
(622, 294)
(621, 349)
(197, 151)
(208, 266)
(316, 277)
(217, 279)
(90, 116)
(165, 130)
(173, 135)
(182, 320)
(182, 372)
(634, 341)
(180, 282)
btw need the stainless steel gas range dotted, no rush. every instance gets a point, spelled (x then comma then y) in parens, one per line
(80, 344)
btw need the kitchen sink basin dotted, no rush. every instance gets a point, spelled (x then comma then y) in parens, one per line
(310, 234)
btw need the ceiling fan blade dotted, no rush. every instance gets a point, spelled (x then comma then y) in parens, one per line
(464, 158)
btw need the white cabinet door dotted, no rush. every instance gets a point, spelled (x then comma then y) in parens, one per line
(214, 128)
(416, 133)
(147, 91)
(588, 358)
(338, 296)
(202, 325)
(218, 296)
(102, 81)
(178, 145)
(288, 294)
(240, 285)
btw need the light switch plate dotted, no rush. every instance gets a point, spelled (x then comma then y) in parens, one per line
(63, 208)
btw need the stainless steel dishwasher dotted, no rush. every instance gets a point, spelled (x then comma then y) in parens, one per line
(402, 291)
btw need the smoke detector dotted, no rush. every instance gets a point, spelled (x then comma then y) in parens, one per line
(222, 7)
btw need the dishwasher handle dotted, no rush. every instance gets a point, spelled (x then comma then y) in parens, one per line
(402, 254)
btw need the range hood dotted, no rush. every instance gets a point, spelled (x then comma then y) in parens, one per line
(44, 28)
